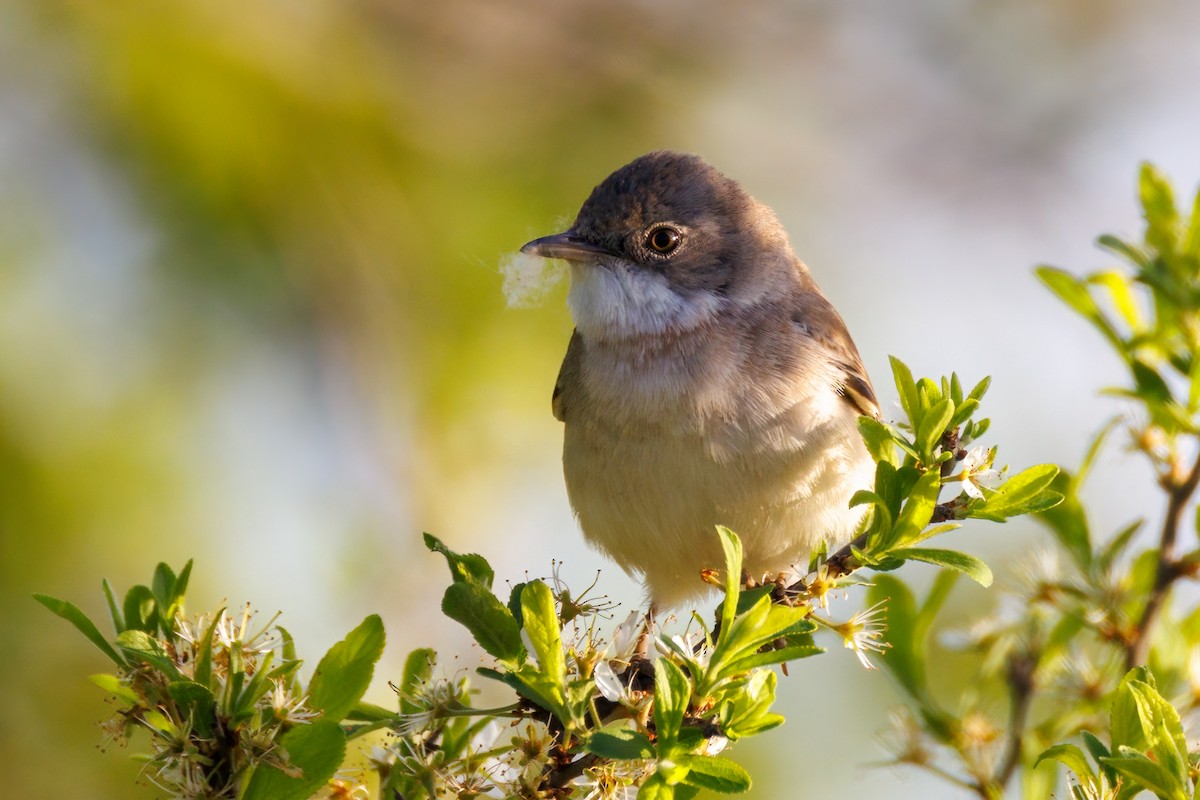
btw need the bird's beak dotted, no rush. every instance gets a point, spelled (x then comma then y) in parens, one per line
(566, 246)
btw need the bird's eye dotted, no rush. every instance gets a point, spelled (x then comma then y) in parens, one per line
(663, 240)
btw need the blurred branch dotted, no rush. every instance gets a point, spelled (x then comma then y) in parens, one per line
(1167, 569)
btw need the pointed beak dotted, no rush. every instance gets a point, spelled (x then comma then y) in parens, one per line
(566, 246)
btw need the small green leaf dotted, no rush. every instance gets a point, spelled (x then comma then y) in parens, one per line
(656, 788)
(1145, 773)
(980, 389)
(1125, 724)
(114, 610)
(672, 694)
(163, 586)
(195, 702)
(1026, 492)
(969, 565)
(144, 647)
(71, 613)
(717, 774)
(906, 387)
(316, 749)
(1121, 292)
(113, 685)
(1073, 759)
(1068, 521)
(767, 658)
(417, 668)
(141, 612)
(905, 659)
(879, 440)
(470, 567)
(1124, 249)
(731, 546)
(541, 623)
(1074, 293)
(618, 741)
(344, 673)
(931, 427)
(916, 512)
(1158, 208)
(203, 671)
(489, 621)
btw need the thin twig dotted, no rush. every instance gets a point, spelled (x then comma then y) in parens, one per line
(1021, 685)
(1166, 571)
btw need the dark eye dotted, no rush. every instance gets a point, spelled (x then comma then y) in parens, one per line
(662, 240)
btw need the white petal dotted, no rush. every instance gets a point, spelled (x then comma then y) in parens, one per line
(607, 682)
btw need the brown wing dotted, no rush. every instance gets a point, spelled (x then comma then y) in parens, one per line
(818, 319)
(567, 373)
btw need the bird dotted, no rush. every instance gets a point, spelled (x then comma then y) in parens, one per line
(707, 382)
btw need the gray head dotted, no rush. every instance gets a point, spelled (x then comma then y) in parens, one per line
(663, 242)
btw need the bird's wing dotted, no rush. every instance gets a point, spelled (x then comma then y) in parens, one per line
(566, 377)
(818, 320)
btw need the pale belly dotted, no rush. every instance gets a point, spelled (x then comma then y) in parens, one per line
(653, 499)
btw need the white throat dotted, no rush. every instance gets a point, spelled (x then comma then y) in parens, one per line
(614, 301)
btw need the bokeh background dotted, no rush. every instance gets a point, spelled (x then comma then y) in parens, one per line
(251, 309)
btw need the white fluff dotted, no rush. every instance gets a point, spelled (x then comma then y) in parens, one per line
(529, 278)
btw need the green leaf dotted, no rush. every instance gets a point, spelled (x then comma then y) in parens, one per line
(906, 387)
(316, 749)
(767, 658)
(905, 659)
(1158, 208)
(470, 567)
(1099, 752)
(144, 647)
(1121, 292)
(618, 741)
(731, 546)
(195, 702)
(1191, 239)
(916, 512)
(717, 774)
(1162, 728)
(114, 610)
(203, 670)
(489, 621)
(1074, 293)
(1150, 385)
(1125, 723)
(1123, 249)
(345, 672)
(969, 565)
(879, 440)
(980, 389)
(417, 668)
(1145, 773)
(672, 694)
(514, 603)
(71, 613)
(111, 684)
(931, 427)
(141, 612)
(656, 788)
(1026, 492)
(747, 709)
(1073, 759)
(541, 623)
(1068, 521)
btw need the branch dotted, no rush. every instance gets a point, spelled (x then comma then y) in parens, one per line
(1021, 684)
(1167, 571)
